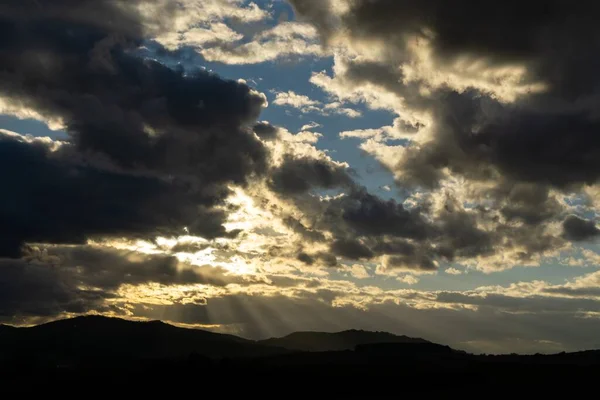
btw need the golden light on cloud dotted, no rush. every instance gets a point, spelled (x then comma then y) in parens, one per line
(248, 215)
(506, 83)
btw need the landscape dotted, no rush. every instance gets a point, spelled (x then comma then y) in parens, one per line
(233, 195)
(117, 351)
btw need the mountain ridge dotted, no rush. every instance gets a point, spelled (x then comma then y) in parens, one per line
(94, 336)
(337, 341)
(98, 337)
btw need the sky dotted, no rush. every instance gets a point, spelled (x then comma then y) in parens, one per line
(427, 168)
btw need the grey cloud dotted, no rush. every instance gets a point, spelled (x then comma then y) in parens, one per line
(418, 261)
(352, 249)
(305, 258)
(189, 134)
(370, 215)
(545, 138)
(50, 281)
(34, 288)
(259, 317)
(327, 259)
(461, 237)
(317, 12)
(330, 260)
(394, 247)
(51, 198)
(108, 269)
(529, 203)
(266, 131)
(504, 32)
(37, 290)
(300, 175)
(577, 229)
(307, 233)
(574, 291)
(534, 304)
(525, 149)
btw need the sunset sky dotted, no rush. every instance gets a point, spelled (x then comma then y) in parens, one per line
(427, 168)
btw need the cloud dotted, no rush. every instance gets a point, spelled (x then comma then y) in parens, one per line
(351, 249)
(34, 290)
(52, 280)
(307, 105)
(532, 135)
(292, 99)
(169, 199)
(359, 272)
(228, 31)
(579, 229)
(199, 37)
(299, 175)
(399, 130)
(195, 23)
(56, 199)
(337, 108)
(310, 125)
(150, 148)
(453, 271)
(287, 40)
(69, 280)
(418, 261)
(498, 111)
(408, 279)
(265, 131)
(370, 215)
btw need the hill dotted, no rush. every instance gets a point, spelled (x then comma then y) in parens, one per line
(116, 352)
(82, 339)
(345, 340)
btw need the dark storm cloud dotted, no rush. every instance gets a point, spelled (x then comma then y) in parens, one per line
(351, 249)
(560, 149)
(370, 215)
(324, 258)
(317, 12)
(49, 198)
(577, 229)
(328, 259)
(394, 247)
(188, 134)
(524, 151)
(365, 226)
(505, 31)
(108, 269)
(529, 203)
(32, 289)
(478, 137)
(266, 131)
(300, 175)
(305, 258)
(137, 112)
(421, 262)
(547, 138)
(574, 292)
(48, 281)
(305, 232)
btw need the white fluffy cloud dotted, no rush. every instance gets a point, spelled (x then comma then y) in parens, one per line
(408, 279)
(453, 271)
(306, 105)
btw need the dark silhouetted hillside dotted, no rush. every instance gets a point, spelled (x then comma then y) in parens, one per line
(94, 338)
(346, 340)
(117, 353)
